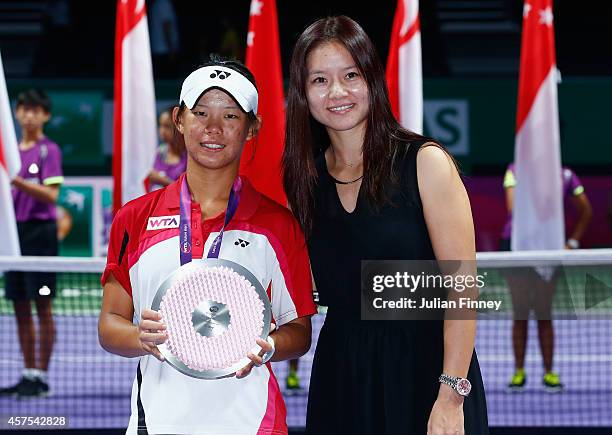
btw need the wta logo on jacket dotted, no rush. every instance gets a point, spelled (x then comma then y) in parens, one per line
(162, 222)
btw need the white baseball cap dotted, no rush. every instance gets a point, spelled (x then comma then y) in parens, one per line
(215, 76)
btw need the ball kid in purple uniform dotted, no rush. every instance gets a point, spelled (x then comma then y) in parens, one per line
(35, 192)
(531, 290)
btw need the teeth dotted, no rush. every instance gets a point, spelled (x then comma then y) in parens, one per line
(213, 146)
(340, 108)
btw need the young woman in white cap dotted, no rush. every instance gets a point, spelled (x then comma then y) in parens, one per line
(217, 115)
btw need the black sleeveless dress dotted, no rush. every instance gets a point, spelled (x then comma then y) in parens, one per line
(375, 377)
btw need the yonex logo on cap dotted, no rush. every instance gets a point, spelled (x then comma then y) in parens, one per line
(227, 79)
(221, 74)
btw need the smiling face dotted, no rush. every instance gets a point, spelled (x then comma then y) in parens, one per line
(165, 127)
(215, 130)
(336, 92)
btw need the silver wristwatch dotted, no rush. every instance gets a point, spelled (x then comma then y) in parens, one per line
(461, 385)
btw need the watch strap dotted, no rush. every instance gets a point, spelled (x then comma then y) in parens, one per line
(462, 386)
(449, 380)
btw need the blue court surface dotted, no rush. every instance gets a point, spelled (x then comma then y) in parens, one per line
(92, 387)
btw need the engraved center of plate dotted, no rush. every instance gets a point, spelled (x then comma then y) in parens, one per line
(210, 318)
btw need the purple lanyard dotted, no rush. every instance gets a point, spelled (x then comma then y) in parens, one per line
(185, 224)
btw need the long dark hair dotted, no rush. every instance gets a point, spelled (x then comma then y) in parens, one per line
(305, 138)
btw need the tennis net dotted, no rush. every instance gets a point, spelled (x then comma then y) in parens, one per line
(92, 387)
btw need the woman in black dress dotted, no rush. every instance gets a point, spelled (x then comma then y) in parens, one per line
(365, 188)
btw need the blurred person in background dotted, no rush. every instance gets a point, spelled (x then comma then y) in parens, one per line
(535, 289)
(164, 33)
(230, 45)
(35, 193)
(171, 158)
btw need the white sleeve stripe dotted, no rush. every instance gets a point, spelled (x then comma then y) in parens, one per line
(287, 317)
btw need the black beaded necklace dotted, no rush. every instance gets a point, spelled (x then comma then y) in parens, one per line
(345, 182)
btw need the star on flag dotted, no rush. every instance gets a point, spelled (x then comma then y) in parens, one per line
(526, 10)
(256, 7)
(546, 16)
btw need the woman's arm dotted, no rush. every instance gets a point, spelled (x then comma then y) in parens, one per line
(449, 221)
(116, 331)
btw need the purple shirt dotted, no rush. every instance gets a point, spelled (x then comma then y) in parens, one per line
(172, 171)
(41, 164)
(571, 187)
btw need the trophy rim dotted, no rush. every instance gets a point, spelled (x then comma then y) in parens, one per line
(261, 292)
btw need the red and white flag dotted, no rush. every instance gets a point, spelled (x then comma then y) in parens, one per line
(10, 164)
(134, 118)
(261, 158)
(537, 215)
(404, 66)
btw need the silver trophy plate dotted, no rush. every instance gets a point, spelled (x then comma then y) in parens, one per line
(210, 321)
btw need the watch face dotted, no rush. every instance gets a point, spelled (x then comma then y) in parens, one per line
(464, 387)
